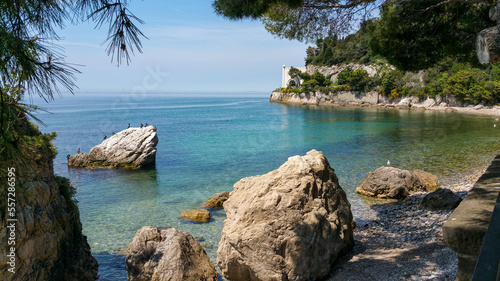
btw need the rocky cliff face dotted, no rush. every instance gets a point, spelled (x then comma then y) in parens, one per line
(357, 98)
(130, 148)
(41, 218)
(339, 98)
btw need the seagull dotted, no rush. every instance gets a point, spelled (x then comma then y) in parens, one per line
(388, 163)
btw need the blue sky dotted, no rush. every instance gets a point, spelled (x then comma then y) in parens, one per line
(200, 51)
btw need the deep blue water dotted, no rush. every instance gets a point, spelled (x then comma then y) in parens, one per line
(209, 142)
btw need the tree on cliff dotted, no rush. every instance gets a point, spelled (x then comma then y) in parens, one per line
(412, 36)
(32, 63)
(418, 23)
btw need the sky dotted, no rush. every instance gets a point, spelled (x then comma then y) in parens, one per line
(189, 49)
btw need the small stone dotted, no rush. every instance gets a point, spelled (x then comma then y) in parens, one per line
(200, 215)
(217, 200)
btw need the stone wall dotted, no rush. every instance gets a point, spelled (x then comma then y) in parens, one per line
(466, 227)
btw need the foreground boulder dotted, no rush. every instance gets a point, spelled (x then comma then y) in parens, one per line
(130, 148)
(390, 182)
(167, 254)
(289, 224)
(441, 199)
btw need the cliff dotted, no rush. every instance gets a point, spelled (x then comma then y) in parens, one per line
(356, 98)
(39, 220)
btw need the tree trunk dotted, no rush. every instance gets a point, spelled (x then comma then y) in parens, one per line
(495, 13)
(488, 45)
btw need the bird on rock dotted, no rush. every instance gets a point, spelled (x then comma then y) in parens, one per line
(388, 163)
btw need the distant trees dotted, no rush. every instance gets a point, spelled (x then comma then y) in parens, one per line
(353, 48)
(412, 34)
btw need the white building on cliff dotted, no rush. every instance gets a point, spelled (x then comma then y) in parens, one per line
(286, 79)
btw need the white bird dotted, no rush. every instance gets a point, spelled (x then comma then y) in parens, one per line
(388, 163)
(494, 125)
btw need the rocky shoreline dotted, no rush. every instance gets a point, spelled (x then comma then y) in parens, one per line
(403, 242)
(375, 100)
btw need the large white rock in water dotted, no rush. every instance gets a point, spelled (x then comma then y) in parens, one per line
(167, 255)
(289, 224)
(391, 183)
(130, 148)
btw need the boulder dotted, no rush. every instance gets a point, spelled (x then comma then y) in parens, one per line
(430, 181)
(289, 224)
(390, 182)
(430, 102)
(406, 102)
(130, 148)
(441, 199)
(217, 200)
(167, 254)
(200, 215)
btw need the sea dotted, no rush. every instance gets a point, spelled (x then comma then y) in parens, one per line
(209, 141)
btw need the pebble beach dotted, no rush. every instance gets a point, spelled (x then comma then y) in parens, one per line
(403, 242)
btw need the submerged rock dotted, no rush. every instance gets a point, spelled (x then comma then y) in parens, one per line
(390, 182)
(200, 215)
(441, 199)
(130, 148)
(167, 254)
(217, 200)
(289, 224)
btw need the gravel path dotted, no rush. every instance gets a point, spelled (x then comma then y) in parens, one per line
(403, 242)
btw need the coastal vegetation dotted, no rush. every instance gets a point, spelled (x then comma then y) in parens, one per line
(468, 84)
(419, 48)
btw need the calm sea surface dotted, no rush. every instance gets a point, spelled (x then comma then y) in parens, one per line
(209, 142)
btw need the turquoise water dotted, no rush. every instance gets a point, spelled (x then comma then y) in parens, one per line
(209, 142)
